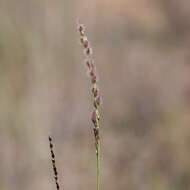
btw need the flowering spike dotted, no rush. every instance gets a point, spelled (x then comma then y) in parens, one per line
(95, 114)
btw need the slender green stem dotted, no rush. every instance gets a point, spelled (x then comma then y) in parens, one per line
(98, 164)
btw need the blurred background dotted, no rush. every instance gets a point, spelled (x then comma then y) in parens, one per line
(141, 50)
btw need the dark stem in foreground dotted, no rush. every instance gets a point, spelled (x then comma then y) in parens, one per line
(53, 163)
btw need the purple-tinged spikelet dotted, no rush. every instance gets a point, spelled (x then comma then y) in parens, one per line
(94, 79)
(93, 118)
(95, 90)
(88, 63)
(97, 102)
(88, 51)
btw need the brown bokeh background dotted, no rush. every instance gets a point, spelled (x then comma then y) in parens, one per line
(142, 52)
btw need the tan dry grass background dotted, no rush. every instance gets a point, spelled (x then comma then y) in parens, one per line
(141, 49)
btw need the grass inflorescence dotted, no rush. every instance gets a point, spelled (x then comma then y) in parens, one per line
(89, 61)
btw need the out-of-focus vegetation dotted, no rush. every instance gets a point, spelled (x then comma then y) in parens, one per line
(141, 49)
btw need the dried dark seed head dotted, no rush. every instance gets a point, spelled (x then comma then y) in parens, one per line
(53, 163)
(52, 154)
(55, 171)
(57, 185)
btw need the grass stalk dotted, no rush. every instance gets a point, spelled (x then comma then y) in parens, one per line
(89, 61)
(98, 165)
